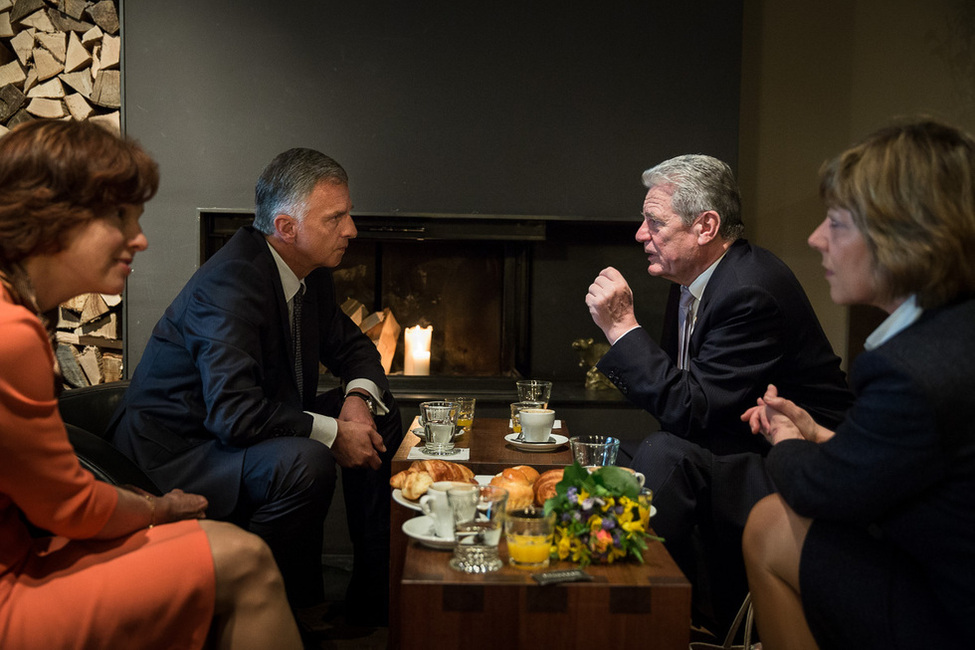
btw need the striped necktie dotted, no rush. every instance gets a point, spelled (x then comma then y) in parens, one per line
(296, 338)
(686, 323)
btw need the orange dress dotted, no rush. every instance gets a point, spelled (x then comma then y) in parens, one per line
(149, 589)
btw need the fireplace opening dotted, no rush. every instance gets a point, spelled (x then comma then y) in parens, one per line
(466, 276)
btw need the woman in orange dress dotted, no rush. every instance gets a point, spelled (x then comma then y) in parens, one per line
(120, 569)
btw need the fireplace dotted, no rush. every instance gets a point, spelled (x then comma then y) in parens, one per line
(469, 277)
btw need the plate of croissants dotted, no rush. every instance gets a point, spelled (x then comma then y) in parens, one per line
(412, 483)
(525, 485)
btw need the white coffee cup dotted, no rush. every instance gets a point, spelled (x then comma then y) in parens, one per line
(536, 424)
(434, 504)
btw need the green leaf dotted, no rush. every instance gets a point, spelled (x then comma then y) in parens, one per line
(617, 481)
(575, 474)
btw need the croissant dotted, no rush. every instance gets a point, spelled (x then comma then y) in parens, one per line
(544, 486)
(416, 485)
(418, 476)
(518, 482)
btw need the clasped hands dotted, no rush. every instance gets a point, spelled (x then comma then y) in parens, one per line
(357, 443)
(777, 419)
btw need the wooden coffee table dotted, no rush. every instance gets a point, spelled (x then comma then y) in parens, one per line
(431, 605)
(627, 605)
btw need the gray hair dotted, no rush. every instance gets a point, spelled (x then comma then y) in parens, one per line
(286, 182)
(701, 183)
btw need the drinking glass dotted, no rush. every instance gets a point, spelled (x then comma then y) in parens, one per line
(465, 412)
(534, 390)
(594, 450)
(478, 520)
(439, 427)
(645, 499)
(528, 533)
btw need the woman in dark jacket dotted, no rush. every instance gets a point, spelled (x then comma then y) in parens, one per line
(870, 541)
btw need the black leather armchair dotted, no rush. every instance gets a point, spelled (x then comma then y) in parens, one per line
(87, 413)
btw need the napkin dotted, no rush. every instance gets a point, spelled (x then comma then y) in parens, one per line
(417, 453)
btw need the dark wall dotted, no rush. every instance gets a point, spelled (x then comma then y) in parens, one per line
(432, 106)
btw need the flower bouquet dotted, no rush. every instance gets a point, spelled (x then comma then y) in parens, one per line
(599, 516)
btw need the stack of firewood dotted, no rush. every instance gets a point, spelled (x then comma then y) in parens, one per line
(89, 339)
(59, 59)
(380, 326)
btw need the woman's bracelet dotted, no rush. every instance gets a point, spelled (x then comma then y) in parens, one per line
(152, 510)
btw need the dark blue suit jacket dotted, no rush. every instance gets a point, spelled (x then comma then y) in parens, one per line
(218, 371)
(754, 327)
(903, 459)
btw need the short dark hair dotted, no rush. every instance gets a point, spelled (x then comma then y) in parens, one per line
(910, 189)
(55, 175)
(286, 182)
(701, 183)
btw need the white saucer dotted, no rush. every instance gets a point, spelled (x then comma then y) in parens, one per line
(421, 529)
(555, 441)
(418, 432)
(403, 501)
(653, 510)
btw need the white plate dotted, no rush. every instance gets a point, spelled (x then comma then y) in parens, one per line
(482, 479)
(555, 441)
(403, 501)
(421, 529)
(653, 510)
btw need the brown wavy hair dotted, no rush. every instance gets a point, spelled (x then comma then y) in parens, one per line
(911, 191)
(56, 175)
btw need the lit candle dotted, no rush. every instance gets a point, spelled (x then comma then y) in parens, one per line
(416, 361)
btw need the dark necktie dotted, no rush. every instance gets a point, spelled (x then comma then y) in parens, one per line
(296, 338)
(686, 323)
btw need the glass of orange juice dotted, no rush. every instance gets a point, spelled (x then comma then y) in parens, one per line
(465, 412)
(528, 533)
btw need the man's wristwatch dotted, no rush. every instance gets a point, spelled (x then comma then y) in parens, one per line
(366, 398)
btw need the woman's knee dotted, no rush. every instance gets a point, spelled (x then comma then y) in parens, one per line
(763, 525)
(240, 558)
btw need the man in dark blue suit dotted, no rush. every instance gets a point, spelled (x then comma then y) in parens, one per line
(218, 404)
(736, 321)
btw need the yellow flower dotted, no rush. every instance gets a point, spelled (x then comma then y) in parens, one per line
(632, 526)
(595, 524)
(564, 546)
(578, 550)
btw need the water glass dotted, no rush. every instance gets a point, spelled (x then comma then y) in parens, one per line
(439, 427)
(594, 450)
(528, 533)
(534, 390)
(478, 521)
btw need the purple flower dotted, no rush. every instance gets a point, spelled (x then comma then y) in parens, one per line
(609, 523)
